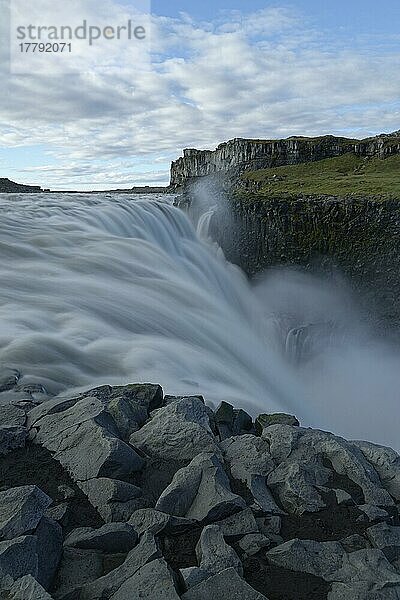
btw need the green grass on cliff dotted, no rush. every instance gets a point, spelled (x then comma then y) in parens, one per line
(346, 175)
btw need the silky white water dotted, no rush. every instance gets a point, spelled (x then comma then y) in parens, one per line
(115, 289)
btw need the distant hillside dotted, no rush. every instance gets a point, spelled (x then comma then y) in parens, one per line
(8, 186)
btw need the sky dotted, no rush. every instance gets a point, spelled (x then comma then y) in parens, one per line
(112, 115)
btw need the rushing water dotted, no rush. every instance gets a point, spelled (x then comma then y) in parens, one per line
(114, 289)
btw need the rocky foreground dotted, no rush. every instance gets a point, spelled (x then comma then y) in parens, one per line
(123, 493)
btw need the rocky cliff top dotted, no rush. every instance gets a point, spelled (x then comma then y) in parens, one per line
(240, 154)
(124, 492)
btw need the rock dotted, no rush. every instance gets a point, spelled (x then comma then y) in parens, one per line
(354, 542)
(321, 559)
(130, 406)
(49, 550)
(153, 581)
(18, 557)
(11, 438)
(214, 555)
(150, 519)
(58, 513)
(269, 526)
(77, 568)
(111, 538)
(230, 421)
(386, 463)
(200, 491)
(265, 420)
(12, 416)
(386, 538)
(372, 513)
(253, 543)
(106, 586)
(8, 378)
(15, 399)
(114, 500)
(240, 524)
(185, 428)
(224, 417)
(343, 498)
(303, 457)
(227, 585)
(192, 576)
(27, 588)
(366, 575)
(84, 440)
(250, 462)
(21, 509)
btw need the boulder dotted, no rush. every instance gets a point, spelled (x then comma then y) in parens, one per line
(153, 581)
(130, 406)
(12, 438)
(49, 550)
(84, 439)
(250, 462)
(227, 585)
(106, 586)
(240, 524)
(185, 428)
(214, 555)
(386, 538)
(12, 416)
(77, 568)
(111, 538)
(265, 420)
(253, 543)
(386, 463)
(27, 588)
(200, 491)
(321, 559)
(21, 509)
(155, 521)
(18, 557)
(114, 500)
(230, 421)
(303, 458)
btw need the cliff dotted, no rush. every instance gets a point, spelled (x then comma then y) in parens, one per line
(7, 186)
(238, 155)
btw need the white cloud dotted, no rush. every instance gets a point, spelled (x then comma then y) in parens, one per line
(260, 75)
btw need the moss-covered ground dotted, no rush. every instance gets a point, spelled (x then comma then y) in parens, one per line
(346, 175)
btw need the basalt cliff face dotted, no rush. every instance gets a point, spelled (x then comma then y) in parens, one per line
(356, 235)
(238, 155)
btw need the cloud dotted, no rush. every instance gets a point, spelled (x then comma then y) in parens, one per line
(266, 74)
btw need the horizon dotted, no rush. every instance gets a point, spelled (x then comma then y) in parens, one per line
(215, 72)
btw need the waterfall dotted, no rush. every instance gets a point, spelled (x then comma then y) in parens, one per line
(115, 289)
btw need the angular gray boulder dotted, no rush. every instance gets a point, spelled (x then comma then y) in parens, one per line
(111, 538)
(227, 585)
(18, 557)
(12, 437)
(302, 457)
(386, 538)
(114, 500)
(21, 509)
(106, 586)
(200, 491)
(250, 462)
(153, 581)
(49, 550)
(27, 588)
(185, 428)
(84, 439)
